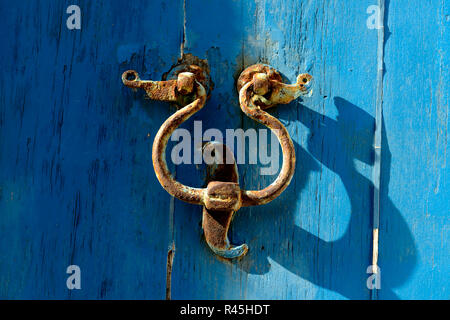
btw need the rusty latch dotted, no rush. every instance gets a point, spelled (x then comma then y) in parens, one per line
(260, 87)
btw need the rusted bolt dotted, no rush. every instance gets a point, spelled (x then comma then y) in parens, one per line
(261, 83)
(185, 82)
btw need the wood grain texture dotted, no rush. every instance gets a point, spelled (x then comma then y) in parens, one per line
(77, 184)
(415, 220)
(76, 181)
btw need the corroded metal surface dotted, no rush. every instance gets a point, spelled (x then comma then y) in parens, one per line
(222, 197)
(268, 86)
(171, 91)
(260, 87)
(165, 178)
(190, 63)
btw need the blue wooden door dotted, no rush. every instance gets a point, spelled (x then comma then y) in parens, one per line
(77, 186)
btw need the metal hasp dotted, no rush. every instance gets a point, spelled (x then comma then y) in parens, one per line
(260, 87)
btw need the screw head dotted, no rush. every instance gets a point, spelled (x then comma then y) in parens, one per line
(249, 72)
(261, 83)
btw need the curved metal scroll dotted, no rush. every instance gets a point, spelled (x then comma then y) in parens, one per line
(165, 178)
(252, 98)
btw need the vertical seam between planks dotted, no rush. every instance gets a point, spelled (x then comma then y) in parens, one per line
(171, 249)
(377, 145)
(183, 41)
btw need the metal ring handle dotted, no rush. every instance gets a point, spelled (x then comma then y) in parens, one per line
(260, 87)
(185, 86)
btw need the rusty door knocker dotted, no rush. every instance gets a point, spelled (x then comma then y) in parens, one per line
(260, 87)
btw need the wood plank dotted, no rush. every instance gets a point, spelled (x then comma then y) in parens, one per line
(414, 220)
(77, 185)
(314, 241)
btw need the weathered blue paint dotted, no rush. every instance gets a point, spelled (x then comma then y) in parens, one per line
(77, 184)
(415, 214)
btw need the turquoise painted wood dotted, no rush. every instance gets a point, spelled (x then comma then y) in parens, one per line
(77, 185)
(415, 173)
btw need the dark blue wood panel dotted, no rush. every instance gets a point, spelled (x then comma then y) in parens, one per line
(76, 181)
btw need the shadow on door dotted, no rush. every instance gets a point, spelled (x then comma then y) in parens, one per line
(333, 265)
